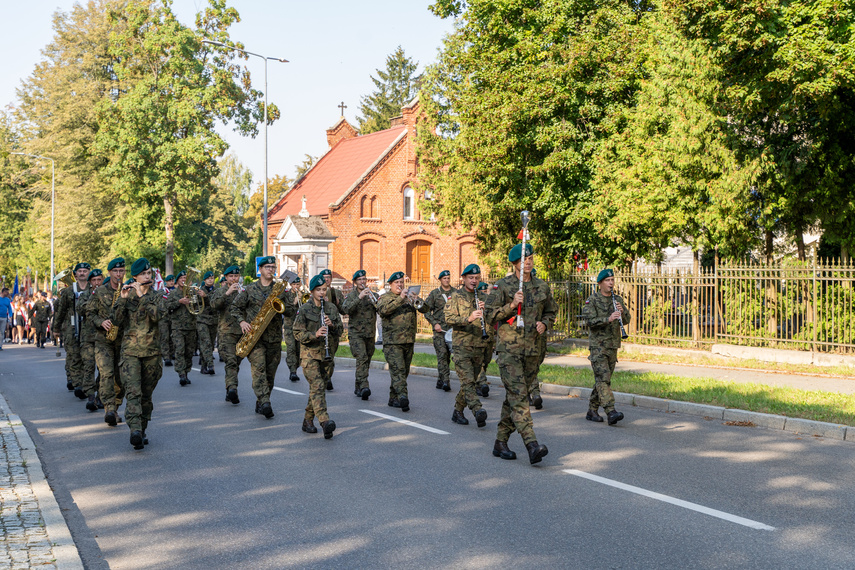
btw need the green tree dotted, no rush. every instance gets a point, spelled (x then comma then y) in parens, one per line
(395, 86)
(18, 178)
(157, 131)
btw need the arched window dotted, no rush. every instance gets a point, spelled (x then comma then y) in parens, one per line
(375, 208)
(364, 208)
(409, 203)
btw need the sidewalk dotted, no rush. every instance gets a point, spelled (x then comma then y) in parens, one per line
(35, 534)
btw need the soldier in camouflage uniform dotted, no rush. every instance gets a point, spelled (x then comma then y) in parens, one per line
(434, 312)
(108, 353)
(399, 335)
(206, 326)
(335, 297)
(66, 321)
(229, 329)
(482, 387)
(87, 342)
(167, 350)
(603, 342)
(360, 306)
(292, 347)
(137, 312)
(517, 347)
(265, 356)
(183, 329)
(466, 315)
(40, 315)
(315, 336)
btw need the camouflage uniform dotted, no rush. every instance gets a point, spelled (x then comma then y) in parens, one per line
(518, 355)
(316, 369)
(87, 345)
(206, 329)
(40, 314)
(230, 333)
(107, 354)
(183, 331)
(481, 384)
(265, 356)
(468, 347)
(141, 357)
(434, 311)
(66, 316)
(336, 297)
(292, 347)
(603, 342)
(362, 318)
(399, 335)
(167, 349)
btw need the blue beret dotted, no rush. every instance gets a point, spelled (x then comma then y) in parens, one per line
(482, 285)
(267, 261)
(82, 265)
(325, 272)
(444, 273)
(516, 252)
(139, 266)
(232, 269)
(169, 277)
(95, 273)
(181, 274)
(207, 274)
(118, 262)
(471, 269)
(317, 281)
(358, 274)
(395, 276)
(605, 274)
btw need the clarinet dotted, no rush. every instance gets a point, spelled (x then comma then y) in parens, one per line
(484, 334)
(327, 335)
(620, 318)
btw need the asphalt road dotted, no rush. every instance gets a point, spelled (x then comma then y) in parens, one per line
(221, 487)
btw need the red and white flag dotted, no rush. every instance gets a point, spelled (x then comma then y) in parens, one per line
(158, 282)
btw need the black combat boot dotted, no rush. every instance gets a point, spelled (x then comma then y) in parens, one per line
(294, 377)
(439, 383)
(593, 416)
(405, 404)
(446, 387)
(111, 418)
(328, 427)
(537, 402)
(536, 452)
(309, 426)
(501, 449)
(614, 417)
(90, 403)
(481, 417)
(80, 393)
(329, 384)
(137, 439)
(232, 396)
(394, 403)
(365, 393)
(458, 418)
(167, 362)
(267, 410)
(182, 379)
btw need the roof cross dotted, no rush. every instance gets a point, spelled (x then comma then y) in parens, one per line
(342, 106)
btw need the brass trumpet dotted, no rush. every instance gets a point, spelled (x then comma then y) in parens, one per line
(191, 291)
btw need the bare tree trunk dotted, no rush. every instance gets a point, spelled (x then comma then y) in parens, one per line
(769, 246)
(771, 291)
(800, 245)
(170, 235)
(844, 253)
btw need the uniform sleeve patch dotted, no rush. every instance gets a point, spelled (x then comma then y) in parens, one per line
(587, 301)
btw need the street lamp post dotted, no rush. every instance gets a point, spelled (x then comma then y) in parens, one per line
(265, 58)
(52, 204)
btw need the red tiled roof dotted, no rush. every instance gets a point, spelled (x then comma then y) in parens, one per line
(336, 173)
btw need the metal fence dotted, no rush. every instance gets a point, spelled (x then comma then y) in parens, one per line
(801, 306)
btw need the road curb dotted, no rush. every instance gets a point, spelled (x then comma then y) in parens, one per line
(768, 421)
(62, 545)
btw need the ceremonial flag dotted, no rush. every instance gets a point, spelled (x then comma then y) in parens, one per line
(158, 281)
(15, 289)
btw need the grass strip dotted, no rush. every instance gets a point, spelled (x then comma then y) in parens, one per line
(812, 405)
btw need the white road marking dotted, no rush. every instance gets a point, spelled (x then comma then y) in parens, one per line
(289, 391)
(665, 498)
(405, 422)
(195, 370)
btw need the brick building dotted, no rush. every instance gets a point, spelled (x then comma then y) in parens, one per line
(362, 191)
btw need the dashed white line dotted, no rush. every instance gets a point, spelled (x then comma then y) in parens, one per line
(671, 500)
(405, 422)
(289, 391)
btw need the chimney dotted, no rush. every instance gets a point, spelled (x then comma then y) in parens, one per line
(340, 131)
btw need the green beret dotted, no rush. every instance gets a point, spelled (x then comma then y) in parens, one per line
(82, 265)
(358, 274)
(296, 280)
(516, 252)
(269, 260)
(169, 277)
(129, 281)
(207, 274)
(444, 273)
(471, 269)
(223, 278)
(325, 272)
(317, 281)
(533, 272)
(139, 266)
(95, 273)
(118, 262)
(395, 276)
(605, 274)
(232, 269)
(481, 286)
(181, 274)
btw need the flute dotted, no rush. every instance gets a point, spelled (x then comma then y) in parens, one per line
(131, 285)
(484, 334)
(326, 335)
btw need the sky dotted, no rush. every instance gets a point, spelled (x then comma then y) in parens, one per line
(333, 48)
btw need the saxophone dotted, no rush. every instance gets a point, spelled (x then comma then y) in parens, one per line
(262, 319)
(114, 330)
